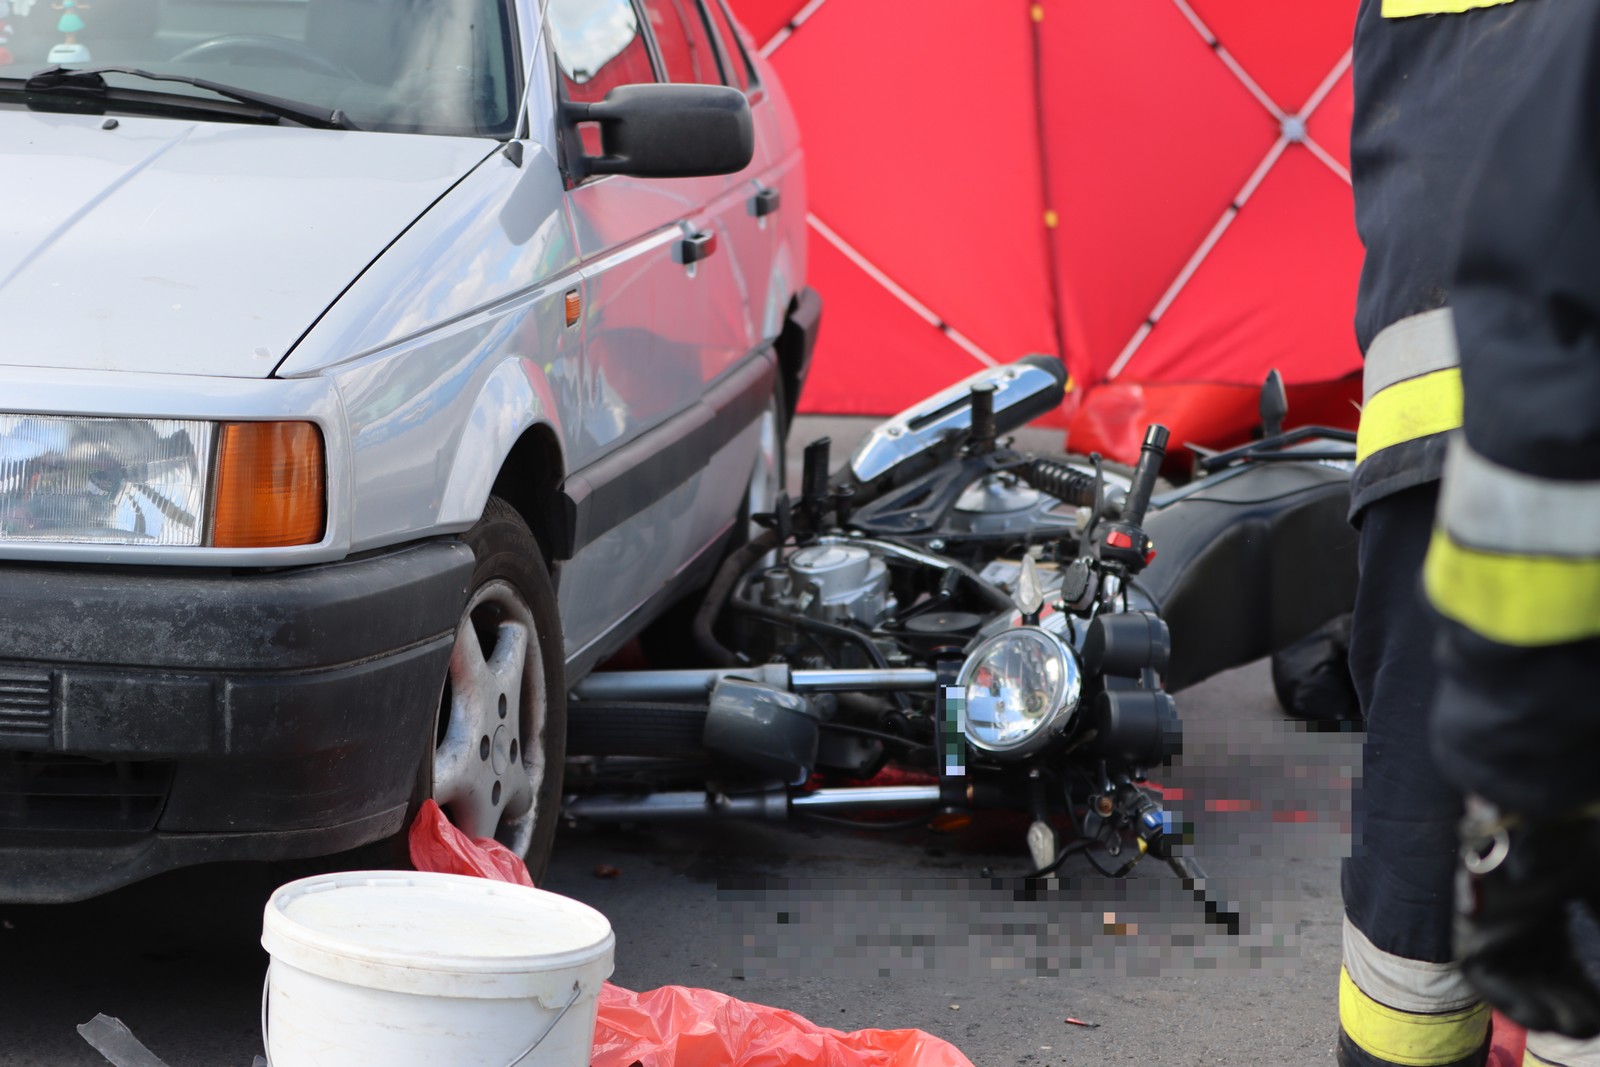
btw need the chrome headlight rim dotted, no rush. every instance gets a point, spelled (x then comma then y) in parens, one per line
(1063, 701)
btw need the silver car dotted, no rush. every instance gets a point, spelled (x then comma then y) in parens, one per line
(369, 371)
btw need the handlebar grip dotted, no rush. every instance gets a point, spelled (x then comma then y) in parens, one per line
(1145, 474)
(1060, 481)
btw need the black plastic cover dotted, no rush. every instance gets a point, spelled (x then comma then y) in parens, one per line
(1140, 727)
(1312, 676)
(763, 729)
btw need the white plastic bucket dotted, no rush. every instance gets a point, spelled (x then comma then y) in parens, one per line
(419, 970)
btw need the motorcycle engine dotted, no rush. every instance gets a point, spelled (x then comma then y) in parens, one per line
(833, 583)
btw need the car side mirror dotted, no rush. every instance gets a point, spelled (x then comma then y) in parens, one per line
(669, 131)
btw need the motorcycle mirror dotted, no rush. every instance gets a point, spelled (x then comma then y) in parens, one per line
(1029, 597)
(1274, 404)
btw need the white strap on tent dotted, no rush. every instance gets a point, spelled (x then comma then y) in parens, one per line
(921, 310)
(1333, 164)
(1315, 102)
(792, 25)
(1228, 61)
(1294, 131)
(1199, 257)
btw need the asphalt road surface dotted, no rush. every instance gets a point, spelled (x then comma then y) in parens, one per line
(850, 928)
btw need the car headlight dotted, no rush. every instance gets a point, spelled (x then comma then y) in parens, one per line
(171, 482)
(1022, 688)
(123, 481)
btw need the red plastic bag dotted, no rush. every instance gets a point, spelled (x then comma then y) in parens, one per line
(679, 1027)
(440, 848)
(675, 1026)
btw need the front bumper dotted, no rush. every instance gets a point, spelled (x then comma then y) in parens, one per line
(151, 719)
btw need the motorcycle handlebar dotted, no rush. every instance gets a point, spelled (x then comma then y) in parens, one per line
(1145, 474)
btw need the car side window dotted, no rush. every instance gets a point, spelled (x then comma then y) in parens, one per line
(741, 74)
(598, 45)
(684, 41)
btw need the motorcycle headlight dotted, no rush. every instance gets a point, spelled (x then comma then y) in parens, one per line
(1022, 688)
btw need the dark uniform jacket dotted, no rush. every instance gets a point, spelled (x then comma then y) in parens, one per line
(1416, 146)
(1514, 566)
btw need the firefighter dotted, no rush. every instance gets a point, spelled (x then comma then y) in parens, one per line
(1514, 567)
(1430, 76)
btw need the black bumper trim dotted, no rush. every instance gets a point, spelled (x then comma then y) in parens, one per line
(211, 620)
(63, 873)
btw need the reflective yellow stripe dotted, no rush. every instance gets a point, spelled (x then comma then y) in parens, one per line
(1516, 600)
(1401, 1037)
(1399, 9)
(1405, 411)
(1530, 1060)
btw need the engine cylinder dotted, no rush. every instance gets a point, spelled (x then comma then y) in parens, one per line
(835, 583)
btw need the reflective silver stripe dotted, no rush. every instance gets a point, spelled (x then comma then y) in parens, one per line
(1408, 349)
(1405, 985)
(1555, 1049)
(1486, 506)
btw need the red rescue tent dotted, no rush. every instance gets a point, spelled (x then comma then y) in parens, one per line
(1156, 191)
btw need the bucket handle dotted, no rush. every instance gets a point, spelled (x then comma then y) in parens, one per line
(525, 1053)
(577, 988)
(266, 1045)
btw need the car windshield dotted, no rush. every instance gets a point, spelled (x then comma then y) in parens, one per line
(426, 66)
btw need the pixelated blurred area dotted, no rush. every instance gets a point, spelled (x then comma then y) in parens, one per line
(1268, 809)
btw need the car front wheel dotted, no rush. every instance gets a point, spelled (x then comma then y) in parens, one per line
(500, 740)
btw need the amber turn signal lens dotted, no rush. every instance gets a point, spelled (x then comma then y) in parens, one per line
(270, 485)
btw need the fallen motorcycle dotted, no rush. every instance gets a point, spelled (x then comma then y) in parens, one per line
(945, 625)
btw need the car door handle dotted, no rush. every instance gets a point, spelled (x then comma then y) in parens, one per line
(765, 203)
(697, 246)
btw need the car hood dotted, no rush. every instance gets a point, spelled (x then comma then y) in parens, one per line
(176, 247)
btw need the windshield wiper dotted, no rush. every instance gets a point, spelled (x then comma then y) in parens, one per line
(91, 82)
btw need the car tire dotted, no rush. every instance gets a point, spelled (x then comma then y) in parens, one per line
(500, 738)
